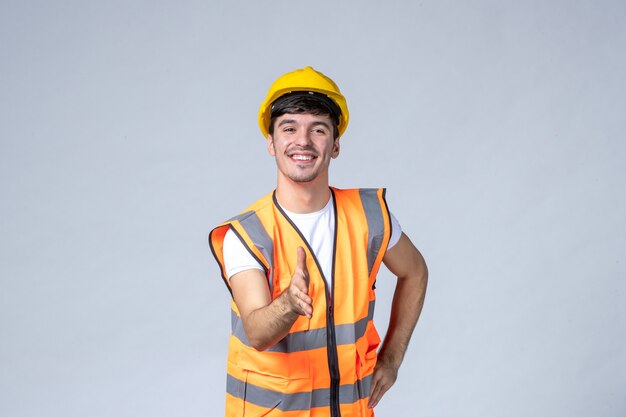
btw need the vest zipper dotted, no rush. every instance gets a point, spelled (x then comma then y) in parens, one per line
(331, 340)
(333, 360)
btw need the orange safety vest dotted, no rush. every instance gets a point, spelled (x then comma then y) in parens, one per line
(324, 366)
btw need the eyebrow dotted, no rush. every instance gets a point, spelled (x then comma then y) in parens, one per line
(326, 125)
(287, 121)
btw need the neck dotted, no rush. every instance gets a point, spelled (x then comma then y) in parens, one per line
(302, 197)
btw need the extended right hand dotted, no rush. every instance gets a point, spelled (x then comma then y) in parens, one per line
(298, 291)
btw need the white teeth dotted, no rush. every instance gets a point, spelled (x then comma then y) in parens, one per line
(302, 157)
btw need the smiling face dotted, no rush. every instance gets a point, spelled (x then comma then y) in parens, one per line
(303, 146)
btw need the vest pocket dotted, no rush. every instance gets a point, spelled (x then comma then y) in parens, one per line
(365, 362)
(366, 354)
(268, 395)
(275, 383)
(293, 365)
(367, 346)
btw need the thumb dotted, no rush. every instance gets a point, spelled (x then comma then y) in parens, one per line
(301, 262)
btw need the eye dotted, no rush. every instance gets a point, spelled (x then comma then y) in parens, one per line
(288, 129)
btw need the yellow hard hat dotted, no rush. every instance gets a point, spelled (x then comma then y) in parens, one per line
(306, 79)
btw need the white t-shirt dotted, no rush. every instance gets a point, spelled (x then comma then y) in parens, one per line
(318, 228)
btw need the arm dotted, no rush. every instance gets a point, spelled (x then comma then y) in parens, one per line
(267, 321)
(406, 262)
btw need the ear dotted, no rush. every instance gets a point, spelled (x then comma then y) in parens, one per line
(270, 145)
(336, 149)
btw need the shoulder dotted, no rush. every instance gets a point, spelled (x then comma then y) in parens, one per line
(262, 204)
(368, 198)
(247, 216)
(360, 192)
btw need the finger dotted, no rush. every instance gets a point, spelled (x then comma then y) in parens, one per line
(299, 293)
(306, 303)
(374, 395)
(303, 304)
(307, 309)
(305, 298)
(378, 389)
(298, 289)
(301, 301)
(375, 379)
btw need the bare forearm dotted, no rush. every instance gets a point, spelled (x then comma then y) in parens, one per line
(408, 301)
(267, 325)
(407, 263)
(267, 321)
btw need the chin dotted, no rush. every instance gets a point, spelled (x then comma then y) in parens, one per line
(302, 179)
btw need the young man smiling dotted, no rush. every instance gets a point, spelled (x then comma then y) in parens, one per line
(301, 266)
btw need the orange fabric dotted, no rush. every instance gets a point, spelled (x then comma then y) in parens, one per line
(303, 375)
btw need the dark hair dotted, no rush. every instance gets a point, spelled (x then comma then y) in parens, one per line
(305, 102)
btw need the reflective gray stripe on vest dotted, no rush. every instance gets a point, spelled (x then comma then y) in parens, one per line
(263, 397)
(253, 227)
(375, 224)
(346, 334)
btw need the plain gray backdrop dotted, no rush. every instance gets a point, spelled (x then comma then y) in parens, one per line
(128, 130)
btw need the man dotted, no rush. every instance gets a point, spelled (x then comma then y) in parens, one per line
(301, 266)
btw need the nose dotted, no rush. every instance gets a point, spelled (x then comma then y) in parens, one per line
(302, 137)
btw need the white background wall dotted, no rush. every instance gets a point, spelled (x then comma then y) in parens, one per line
(128, 130)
